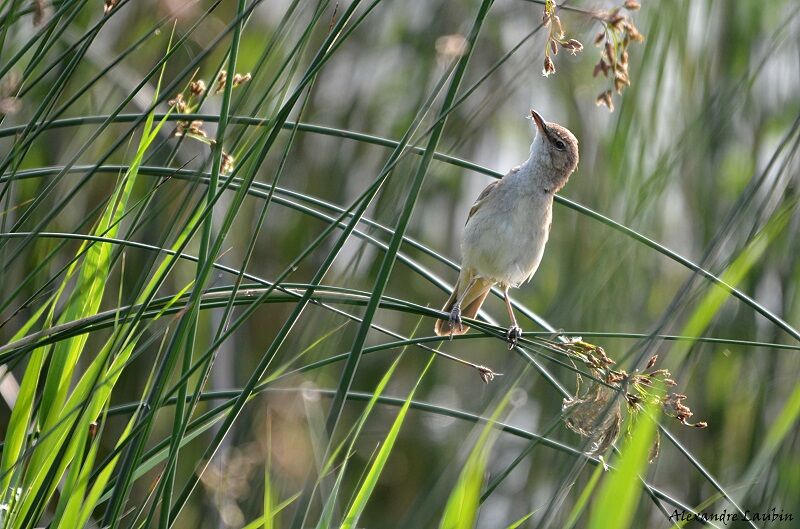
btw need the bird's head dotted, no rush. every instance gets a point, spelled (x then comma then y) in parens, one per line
(555, 149)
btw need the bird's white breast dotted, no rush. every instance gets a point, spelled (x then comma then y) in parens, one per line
(505, 239)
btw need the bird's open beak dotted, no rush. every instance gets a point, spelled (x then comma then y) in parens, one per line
(538, 119)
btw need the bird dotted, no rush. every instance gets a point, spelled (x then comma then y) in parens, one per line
(508, 226)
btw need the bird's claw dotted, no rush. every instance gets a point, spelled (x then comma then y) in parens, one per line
(486, 374)
(455, 320)
(513, 335)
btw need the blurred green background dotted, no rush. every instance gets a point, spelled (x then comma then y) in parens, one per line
(699, 155)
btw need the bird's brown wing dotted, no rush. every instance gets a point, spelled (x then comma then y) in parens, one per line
(482, 199)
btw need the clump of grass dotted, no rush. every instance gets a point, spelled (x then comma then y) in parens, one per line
(147, 461)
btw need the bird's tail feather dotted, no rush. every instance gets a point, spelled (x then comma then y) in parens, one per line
(470, 304)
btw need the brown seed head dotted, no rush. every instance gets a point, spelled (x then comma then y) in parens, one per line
(197, 88)
(605, 99)
(548, 67)
(599, 38)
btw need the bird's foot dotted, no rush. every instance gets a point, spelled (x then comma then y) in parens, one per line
(513, 335)
(486, 374)
(455, 320)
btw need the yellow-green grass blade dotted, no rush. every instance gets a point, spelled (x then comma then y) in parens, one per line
(259, 522)
(60, 421)
(355, 432)
(461, 509)
(733, 276)
(17, 430)
(22, 414)
(616, 501)
(104, 475)
(90, 501)
(269, 500)
(90, 286)
(49, 450)
(68, 511)
(368, 484)
(680, 523)
(779, 428)
(521, 521)
(326, 518)
(583, 499)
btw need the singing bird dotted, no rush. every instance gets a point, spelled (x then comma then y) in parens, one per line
(508, 226)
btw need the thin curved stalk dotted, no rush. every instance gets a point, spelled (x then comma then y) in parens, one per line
(580, 208)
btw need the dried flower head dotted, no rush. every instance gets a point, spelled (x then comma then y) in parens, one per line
(673, 406)
(573, 46)
(178, 103)
(240, 79)
(548, 67)
(594, 415)
(196, 127)
(197, 88)
(619, 31)
(108, 5)
(555, 37)
(486, 374)
(597, 413)
(615, 37)
(222, 79)
(605, 99)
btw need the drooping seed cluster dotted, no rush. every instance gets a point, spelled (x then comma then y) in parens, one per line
(188, 103)
(613, 40)
(596, 413)
(555, 37)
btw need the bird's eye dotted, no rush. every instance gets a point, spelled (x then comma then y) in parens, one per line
(560, 145)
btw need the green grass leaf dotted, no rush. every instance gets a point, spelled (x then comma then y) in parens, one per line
(616, 501)
(461, 509)
(368, 484)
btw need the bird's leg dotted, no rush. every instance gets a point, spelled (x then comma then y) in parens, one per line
(455, 319)
(514, 332)
(455, 312)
